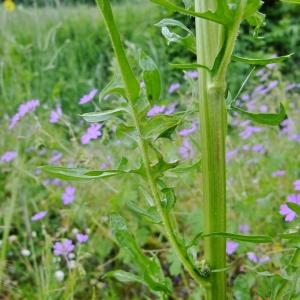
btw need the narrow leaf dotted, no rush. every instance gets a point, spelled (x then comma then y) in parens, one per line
(101, 116)
(238, 237)
(291, 1)
(273, 119)
(261, 61)
(132, 86)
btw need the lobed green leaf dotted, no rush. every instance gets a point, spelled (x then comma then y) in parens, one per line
(273, 119)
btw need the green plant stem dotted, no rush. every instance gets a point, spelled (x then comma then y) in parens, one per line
(213, 127)
(104, 6)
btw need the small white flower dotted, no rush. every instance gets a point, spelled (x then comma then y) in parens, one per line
(25, 252)
(12, 238)
(59, 275)
(72, 264)
(71, 255)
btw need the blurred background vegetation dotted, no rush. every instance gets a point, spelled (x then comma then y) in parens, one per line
(68, 52)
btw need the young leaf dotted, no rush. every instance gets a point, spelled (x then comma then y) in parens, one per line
(219, 16)
(186, 167)
(113, 87)
(188, 41)
(169, 199)
(151, 77)
(273, 119)
(101, 116)
(238, 237)
(150, 213)
(261, 61)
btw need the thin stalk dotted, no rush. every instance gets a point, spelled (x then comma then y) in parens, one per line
(213, 127)
(130, 87)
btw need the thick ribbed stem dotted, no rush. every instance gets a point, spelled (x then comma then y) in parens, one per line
(213, 125)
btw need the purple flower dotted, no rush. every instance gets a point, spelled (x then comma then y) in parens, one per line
(256, 259)
(284, 210)
(231, 247)
(88, 97)
(156, 110)
(173, 87)
(92, 133)
(191, 74)
(244, 228)
(55, 115)
(8, 156)
(188, 131)
(38, 216)
(249, 130)
(82, 238)
(297, 185)
(68, 196)
(278, 173)
(263, 108)
(56, 157)
(63, 248)
(185, 150)
(231, 154)
(23, 110)
(259, 148)
(170, 109)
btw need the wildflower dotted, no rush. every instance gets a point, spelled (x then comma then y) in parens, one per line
(9, 5)
(92, 133)
(244, 228)
(156, 110)
(256, 259)
(170, 109)
(186, 150)
(38, 216)
(63, 248)
(249, 130)
(284, 210)
(231, 154)
(263, 108)
(297, 185)
(259, 148)
(55, 115)
(8, 156)
(55, 158)
(278, 173)
(231, 247)
(59, 275)
(174, 87)
(25, 252)
(186, 132)
(23, 110)
(88, 97)
(191, 74)
(68, 196)
(82, 238)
